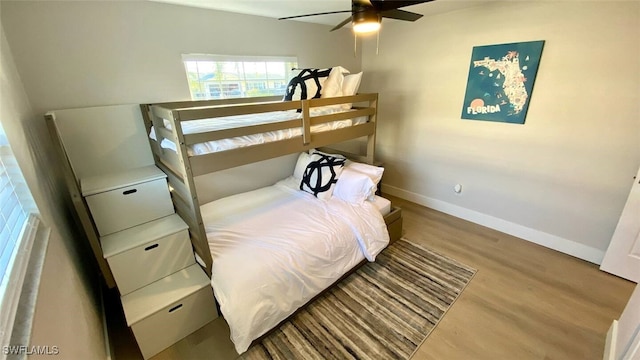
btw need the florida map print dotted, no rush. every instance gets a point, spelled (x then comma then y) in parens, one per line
(500, 81)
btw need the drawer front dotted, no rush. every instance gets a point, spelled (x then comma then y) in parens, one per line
(393, 215)
(176, 321)
(130, 206)
(145, 264)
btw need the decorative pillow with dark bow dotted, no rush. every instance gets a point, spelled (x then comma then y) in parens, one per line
(321, 175)
(307, 84)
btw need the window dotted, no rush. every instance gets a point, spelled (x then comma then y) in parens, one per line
(18, 224)
(223, 77)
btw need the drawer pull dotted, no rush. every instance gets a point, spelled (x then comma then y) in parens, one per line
(127, 192)
(151, 247)
(175, 308)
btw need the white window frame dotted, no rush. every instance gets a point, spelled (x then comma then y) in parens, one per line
(205, 92)
(23, 234)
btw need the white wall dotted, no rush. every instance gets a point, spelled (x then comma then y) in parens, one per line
(67, 313)
(91, 53)
(560, 179)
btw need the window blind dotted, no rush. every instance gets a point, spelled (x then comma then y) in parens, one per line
(16, 204)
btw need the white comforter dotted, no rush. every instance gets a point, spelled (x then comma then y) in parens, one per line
(275, 248)
(231, 122)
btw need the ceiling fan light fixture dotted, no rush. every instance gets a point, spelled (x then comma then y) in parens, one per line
(366, 27)
(366, 22)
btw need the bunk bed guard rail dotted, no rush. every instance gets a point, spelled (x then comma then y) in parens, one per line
(181, 166)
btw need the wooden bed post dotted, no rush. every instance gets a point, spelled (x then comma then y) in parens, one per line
(183, 189)
(371, 139)
(306, 123)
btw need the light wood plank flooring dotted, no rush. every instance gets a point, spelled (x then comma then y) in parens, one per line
(525, 302)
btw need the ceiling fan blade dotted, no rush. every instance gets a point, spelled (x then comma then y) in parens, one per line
(384, 5)
(400, 15)
(322, 13)
(345, 22)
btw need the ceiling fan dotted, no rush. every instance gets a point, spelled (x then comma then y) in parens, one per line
(366, 15)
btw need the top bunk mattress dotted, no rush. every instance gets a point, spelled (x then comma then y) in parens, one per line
(231, 122)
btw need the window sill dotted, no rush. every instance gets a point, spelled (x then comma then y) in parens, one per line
(22, 292)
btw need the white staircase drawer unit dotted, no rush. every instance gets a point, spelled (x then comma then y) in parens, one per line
(129, 206)
(168, 310)
(143, 254)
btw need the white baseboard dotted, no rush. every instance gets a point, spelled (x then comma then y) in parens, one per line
(554, 242)
(610, 344)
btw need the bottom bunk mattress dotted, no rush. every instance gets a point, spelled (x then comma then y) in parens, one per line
(276, 248)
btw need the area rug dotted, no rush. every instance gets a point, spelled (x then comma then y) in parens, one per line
(384, 310)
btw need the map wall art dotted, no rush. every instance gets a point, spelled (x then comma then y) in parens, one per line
(500, 81)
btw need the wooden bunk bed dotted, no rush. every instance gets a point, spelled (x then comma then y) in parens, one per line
(181, 164)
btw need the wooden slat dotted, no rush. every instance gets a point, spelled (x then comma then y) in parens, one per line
(240, 131)
(203, 164)
(185, 210)
(168, 161)
(161, 113)
(200, 244)
(320, 119)
(162, 132)
(342, 100)
(232, 110)
(179, 192)
(197, 138)
(371, 140)
(217, 102)
(332, 137)
(306, 123)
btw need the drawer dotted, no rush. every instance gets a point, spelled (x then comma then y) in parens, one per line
(129, 206)
(169, 309)
(174, 322)
(393, 215)
(156, 259)
(393, 220)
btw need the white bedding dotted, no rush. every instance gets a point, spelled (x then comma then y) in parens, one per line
(275, 248)
(383, 205)
(230, 122)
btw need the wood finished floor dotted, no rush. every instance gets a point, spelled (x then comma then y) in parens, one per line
(525, 302)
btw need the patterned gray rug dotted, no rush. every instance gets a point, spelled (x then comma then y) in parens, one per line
(382, 311)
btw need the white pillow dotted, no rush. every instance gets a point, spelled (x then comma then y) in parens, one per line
(321, 175)
(334, 83)
(354, 187)
(373, 172)
(351, 83)
(301, 165)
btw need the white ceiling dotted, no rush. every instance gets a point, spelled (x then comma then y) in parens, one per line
(283, 8)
